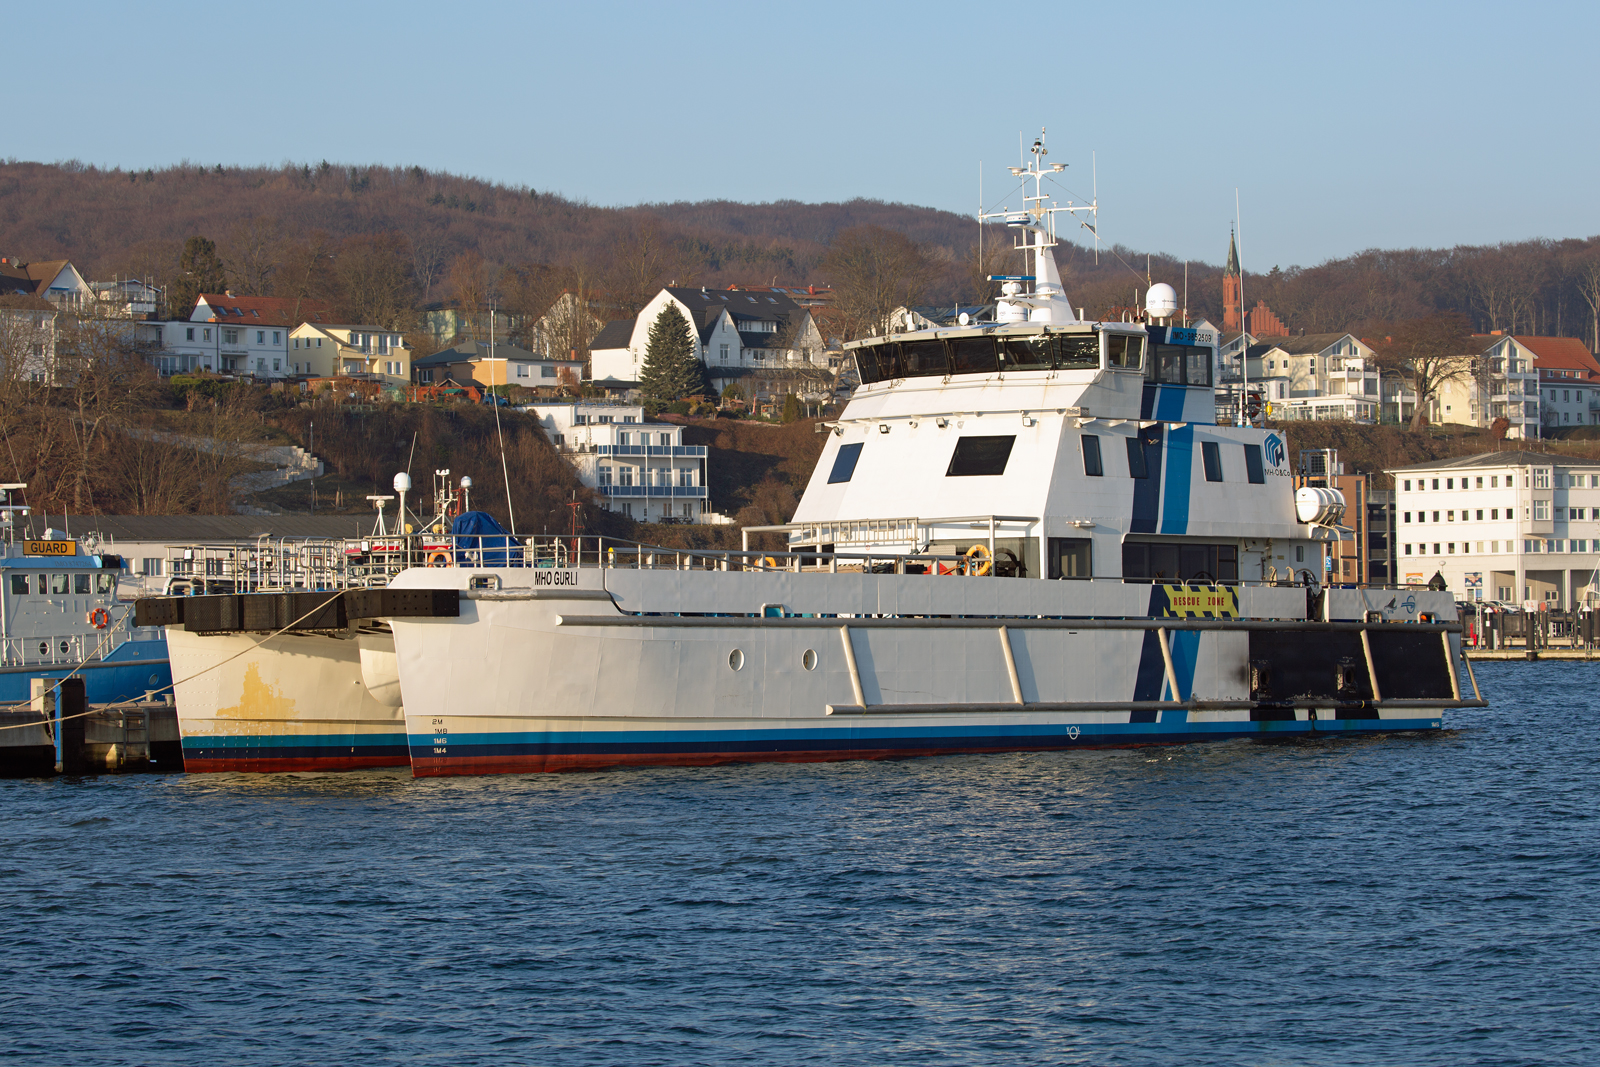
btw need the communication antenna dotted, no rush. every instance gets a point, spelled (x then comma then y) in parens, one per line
(1244, 332)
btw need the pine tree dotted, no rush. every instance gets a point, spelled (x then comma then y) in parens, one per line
(671, 368)
(200, 270)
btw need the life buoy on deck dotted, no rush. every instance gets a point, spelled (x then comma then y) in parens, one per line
(978, 561)
(439, 559)
(99, 618)
(770, 563)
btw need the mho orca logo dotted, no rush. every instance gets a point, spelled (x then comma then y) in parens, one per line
(1274, 448)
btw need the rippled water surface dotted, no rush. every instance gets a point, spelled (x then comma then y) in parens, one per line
(1401, 900)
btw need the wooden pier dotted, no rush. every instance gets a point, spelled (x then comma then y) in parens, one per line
(56, 732)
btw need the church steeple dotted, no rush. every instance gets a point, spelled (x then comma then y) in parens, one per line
(1232, 312)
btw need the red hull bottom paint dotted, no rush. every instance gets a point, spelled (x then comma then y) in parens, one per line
(195, 765)
(430, 767)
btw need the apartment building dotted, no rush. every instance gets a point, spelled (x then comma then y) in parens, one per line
(1501, 381)
(641, 469)
(1506, 526)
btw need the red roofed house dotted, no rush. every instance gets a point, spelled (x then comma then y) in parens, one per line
(243, 335)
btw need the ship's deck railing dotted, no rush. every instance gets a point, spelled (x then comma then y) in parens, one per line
(273, 564)
(61, 649)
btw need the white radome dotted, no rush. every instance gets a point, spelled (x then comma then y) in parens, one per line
(1161, 302)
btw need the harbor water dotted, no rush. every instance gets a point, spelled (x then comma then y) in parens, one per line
(1390, 900)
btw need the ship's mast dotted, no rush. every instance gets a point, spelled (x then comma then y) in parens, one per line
(1036, 226)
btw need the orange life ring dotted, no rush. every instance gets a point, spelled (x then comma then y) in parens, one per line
(99, 618)
(438, 559)
(978, 561)
(770, 563)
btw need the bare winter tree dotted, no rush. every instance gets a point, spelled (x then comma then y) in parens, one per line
(874, 271)
(1428, 354)
(374, 281)
(252, 252)
(642, 264)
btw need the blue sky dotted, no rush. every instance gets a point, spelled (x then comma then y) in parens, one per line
(1343, 126)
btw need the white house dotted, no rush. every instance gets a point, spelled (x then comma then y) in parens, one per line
(56, 280)
(736, 333)
(1506, 526)
(1502, 381)
(641, 469)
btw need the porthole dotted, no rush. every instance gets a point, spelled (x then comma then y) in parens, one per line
(809, 660)
(44, 648)
(736, 659)
(63, 648)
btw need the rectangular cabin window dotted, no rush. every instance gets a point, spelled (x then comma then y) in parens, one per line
(59, 584)
(925, 359)
(1069, 557)
(42, 585)
(1136, 464)
(1026, 353)
(1124, 351)
(1198, 371)
(80, 583)
(1169, 364)
(1092, 466)
(1179, 562)
(19, 585)
(1252, 465)
(980, 457)
(105, 583)
(973, 355)
(844, 463)
(1211, 453)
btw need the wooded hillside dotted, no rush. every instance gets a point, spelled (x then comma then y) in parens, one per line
(266, 220)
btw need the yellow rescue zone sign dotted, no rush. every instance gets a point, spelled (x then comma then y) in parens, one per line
(1202, 601)
(49, 548)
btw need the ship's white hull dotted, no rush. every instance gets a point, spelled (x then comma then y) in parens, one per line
(614, 668)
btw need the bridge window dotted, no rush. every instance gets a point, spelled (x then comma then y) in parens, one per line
(980, 456)
(1077, 352)
(879, 363)
(1182, 365)
(1092, 466)
(925, 359)
(1026, 353)
(1211, 453)
(844, 463)
(1125, 351)
(80, 583)
(19, 585)
(973, 355)
(105, 583)
(58, 584)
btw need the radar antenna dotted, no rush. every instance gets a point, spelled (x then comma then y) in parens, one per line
(1036, 226)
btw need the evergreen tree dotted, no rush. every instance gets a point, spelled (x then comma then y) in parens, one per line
(671, 368)
(200, 270)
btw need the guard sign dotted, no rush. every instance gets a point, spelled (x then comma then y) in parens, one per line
(49, 548)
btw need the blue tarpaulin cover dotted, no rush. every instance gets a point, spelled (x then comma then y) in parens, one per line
(482, 540)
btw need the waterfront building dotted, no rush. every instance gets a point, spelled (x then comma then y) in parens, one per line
(1504, 526)
(639, 468)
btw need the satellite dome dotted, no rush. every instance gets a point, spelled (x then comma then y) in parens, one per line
(1161, 302)
(402, 482)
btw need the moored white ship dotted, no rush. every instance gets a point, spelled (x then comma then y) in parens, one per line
(1022, 534)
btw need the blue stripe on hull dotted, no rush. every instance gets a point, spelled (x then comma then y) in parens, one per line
(1173, 728)
(339, 747)
(103, 683)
